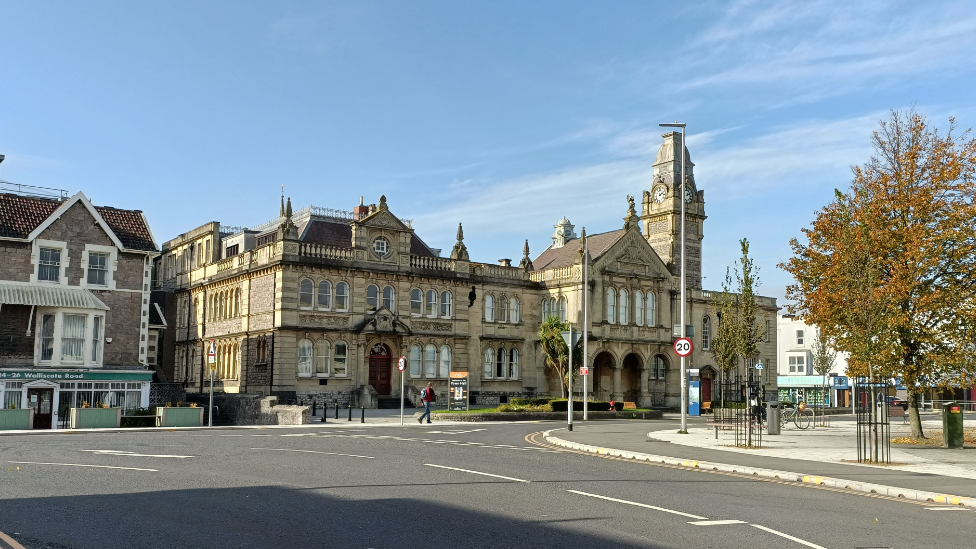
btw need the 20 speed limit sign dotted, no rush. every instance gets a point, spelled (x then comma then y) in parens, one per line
(682, 346)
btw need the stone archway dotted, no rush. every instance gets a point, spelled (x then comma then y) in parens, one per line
(630, 378)
(603, 372)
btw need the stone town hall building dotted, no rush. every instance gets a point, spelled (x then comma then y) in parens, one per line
(319, 304)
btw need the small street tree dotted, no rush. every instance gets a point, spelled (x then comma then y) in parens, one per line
(725, 346)
(557, 352)
(887, 270)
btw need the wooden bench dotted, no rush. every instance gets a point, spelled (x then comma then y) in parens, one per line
(898, 411)
(630, 405)
(719, 424)
(706, 406)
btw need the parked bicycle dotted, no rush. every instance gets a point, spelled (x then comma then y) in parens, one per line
(798, 414)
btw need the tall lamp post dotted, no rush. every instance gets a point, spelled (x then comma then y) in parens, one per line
(681, 199)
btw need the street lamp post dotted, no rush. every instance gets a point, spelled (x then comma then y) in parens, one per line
(681, 199)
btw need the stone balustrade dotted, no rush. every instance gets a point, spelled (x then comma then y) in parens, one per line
(323, 251)
(497, 271)
(432, 263)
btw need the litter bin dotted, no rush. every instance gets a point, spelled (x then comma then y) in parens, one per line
(952, 434)
(772, 418)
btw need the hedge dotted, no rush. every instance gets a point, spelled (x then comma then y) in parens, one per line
(562, 405)
(537, 401)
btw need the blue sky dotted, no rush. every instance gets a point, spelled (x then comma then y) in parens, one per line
(502, 115)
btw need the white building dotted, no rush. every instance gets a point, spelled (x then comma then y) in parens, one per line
(796, 378)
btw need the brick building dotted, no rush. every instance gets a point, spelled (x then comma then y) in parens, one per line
(318, 303)
(74, 305)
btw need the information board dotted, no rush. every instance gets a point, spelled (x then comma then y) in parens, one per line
(458, 398)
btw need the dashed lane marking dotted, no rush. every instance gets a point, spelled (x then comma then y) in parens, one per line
(635, 504)
(947, 509)
(133, 454)
(716, 522)
(83, 465)
(314, 452)
(476, 472)
(789, 537)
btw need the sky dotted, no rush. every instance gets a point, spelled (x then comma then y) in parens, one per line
(501, 115)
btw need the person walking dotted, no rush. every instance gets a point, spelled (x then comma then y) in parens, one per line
(427, 397)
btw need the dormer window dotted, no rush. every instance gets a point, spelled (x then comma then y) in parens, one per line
(49, 265)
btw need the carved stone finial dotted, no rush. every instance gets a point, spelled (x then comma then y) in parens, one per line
(631, 219)
(526, 263)
(288, 208)
(287, 230)
(460, 251)
(281, 211)
(383, 205)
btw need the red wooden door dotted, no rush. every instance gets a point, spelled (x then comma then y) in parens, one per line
(42, 401)
(706, 389)
(379, 369)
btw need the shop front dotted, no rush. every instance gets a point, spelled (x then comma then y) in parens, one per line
(52, 393)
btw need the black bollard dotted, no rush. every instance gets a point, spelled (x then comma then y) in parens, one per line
(313, 408)
(337, 409)
(350, 412)
(363, 419)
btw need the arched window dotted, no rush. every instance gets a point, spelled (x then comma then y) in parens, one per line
(562, 308)
(611, 306)
(651, 308)
(502, 310)
(415, 360)
(221, 305)
(430, 308)
(342, 296)
(513, 361)
(389, 298)
(322, 360)
(416, 302)
(447, 304)
(489, 308)
(501, 363)
(372, 297)
(706, 337)
(445, 370)
(639, 308)
(546, 310)
(515, 312)
(430, 361)
(325, 295)
(237, 302)
(261, 351)
(659, 368)
(339, 357)
(304, 358)
(236, 371)
(489, 369)
(624, 306)
(305, 294)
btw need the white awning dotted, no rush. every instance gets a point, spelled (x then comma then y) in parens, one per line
(45, 295)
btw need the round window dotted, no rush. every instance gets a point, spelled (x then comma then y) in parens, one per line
(381, 247)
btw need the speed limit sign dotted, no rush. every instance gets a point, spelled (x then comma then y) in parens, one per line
(682, 346)
(402, 363)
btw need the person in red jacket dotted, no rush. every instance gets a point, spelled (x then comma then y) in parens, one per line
(427, 397)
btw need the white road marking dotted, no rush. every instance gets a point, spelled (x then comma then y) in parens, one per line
(262, 435)
(299, 435)
(231, 435)
(314, 452)
(475, 472)
(83, 465)
(201, 435)
(672, 511)
(789, 537)
(946, 509)
(716, 522)
(133, 454)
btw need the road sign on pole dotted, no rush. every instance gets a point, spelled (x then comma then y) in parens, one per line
(212, 353)
(682, 347)
(401, 364)
(584, 371)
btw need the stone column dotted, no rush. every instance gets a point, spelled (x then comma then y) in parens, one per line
(616, 395)
(644, 399)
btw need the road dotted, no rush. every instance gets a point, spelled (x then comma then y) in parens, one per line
(470, 486)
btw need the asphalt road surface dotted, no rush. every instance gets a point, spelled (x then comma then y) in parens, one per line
(433, 486)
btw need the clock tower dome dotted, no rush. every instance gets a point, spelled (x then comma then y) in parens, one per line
(661, 215)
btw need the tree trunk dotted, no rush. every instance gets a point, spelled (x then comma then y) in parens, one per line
(913, 416)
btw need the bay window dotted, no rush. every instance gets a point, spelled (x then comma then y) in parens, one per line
(69, 337)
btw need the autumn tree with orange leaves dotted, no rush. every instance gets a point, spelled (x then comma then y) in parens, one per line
(888, 269)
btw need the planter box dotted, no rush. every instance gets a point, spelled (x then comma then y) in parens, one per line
(179, 417)
(18, 419)
(95, 418)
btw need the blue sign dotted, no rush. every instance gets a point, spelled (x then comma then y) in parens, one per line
(840, 383)
(694, 398)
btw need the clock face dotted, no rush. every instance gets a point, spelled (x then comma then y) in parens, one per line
(659, 194)
(689, 195)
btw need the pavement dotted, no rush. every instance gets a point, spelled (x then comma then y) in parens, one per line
(822, 455)
(379, 485)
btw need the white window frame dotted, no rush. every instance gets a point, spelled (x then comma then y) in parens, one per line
(502, 309)
(639, 307)
(651, 309)
(323, 358)
(112, 265)
(419, 311)
(563, 305)
(546, 308)
(89, 340)
(488, 368)
(347, 296)
(416, 361)
(301, 305)
(444, 363)
(611, 306)
(310, 357)
(706, 333)
(376, 298)
(800, 337)
(515, 310)
(623, 307)
(430, 361)
(328, 295)
(489, 308)
(430, 305)
(447, 305)
(65, 261)
(389, 301)
(340, 362)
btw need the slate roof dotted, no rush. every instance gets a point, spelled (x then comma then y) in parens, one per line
(20, 215)
(339, 233)
(554, 258)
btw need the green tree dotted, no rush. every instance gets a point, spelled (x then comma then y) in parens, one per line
(725, 346)
(557, 352)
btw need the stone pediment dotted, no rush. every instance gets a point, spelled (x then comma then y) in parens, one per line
(631, 254)
(383, 219)
(383, 321)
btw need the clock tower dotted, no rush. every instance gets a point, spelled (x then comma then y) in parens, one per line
(661, 215)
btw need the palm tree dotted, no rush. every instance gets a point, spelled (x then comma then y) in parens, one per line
(556, 350)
